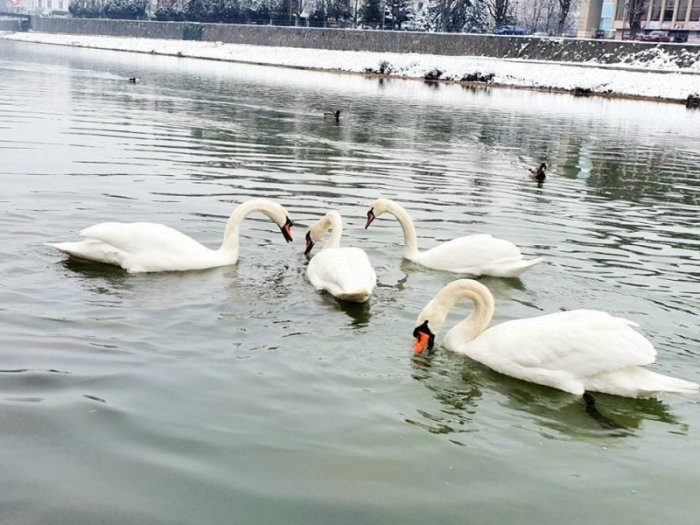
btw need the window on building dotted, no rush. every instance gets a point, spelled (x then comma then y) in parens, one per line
(60, 5)
(620, 13)
(695, 11)
(48, 4)
(682, 10)
(655, 11)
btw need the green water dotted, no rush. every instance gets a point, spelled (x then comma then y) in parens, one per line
(240, 394)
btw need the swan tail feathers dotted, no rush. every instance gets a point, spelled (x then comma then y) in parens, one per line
(69, 248)
(355, 296)
(638, 382)
(92, 250)
(673, 384)
(511, 267)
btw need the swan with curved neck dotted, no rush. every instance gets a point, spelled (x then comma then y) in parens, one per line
(345, 273)
(473, 254)
(576, 351)
(150, 247)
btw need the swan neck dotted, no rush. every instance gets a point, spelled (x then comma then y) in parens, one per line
(334, 222)
(233, 226)
(477, 321)
(410, 243)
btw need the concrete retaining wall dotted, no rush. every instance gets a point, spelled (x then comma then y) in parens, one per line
(533, 48)
(9, 25)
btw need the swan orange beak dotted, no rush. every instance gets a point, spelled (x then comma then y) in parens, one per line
(420, 343)
(309, 243)
(287, 231)
(370, 218)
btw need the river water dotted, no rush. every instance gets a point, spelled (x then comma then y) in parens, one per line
(242, 395)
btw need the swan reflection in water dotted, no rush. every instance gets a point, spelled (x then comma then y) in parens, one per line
(459, 384)
(359, 313)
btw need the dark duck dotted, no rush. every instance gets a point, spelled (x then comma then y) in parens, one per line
(539, 174)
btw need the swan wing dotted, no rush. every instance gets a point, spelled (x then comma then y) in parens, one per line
(580, 344)
(142, 237)
(469, 254)
(343, 272)
(92, 250)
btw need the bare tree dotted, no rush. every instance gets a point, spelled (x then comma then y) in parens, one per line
(635, 12)
(500, 11)
(564, 8)
(531, 15)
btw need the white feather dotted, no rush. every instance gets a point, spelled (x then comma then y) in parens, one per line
(577, 351)
(470, 255)
(345, 273)
(150, 247)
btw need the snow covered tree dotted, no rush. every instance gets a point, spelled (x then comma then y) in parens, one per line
(476, 18)
(86, 8)
(459, 15)
(399, 10)
(126, 9)
(331, 10)
(169, 10)
(422, 18)
(371, 12)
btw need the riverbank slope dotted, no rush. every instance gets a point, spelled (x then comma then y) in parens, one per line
(670, 84)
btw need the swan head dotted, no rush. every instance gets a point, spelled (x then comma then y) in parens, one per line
(287, 229)
(275, 212)
(378, 207)
(429, 322)
(433, 316)
(310, 241)
(318, 229)
(424, 338)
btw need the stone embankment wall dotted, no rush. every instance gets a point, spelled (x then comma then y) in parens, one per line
(532, 48)
(9, 24)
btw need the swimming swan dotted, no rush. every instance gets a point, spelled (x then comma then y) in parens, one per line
(345, 273)
(474, 254)
(576, 351)
(149, 247)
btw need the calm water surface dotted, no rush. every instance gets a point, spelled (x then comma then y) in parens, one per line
(240, 394)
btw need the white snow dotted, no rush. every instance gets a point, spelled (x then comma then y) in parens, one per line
(659, 78)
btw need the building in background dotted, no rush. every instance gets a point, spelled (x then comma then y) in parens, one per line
(35, 7)
(680, 18)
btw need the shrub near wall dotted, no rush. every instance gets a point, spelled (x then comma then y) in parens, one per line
(118, 9)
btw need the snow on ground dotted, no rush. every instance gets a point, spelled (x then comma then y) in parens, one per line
(668, 84)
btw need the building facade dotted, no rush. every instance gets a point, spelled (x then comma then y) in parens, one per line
(35, 7)
(680, 18)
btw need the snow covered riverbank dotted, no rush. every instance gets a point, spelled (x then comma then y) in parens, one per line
(628, 81)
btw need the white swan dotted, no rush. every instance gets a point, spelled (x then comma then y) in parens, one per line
(345, 273)
(577, 351)
(149, 247)
(473, 255)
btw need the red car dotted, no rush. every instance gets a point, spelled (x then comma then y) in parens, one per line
(656, 36)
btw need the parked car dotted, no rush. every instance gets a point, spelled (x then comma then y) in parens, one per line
(509, 30)
(411, 25)
(656, 36)
(680, 37)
